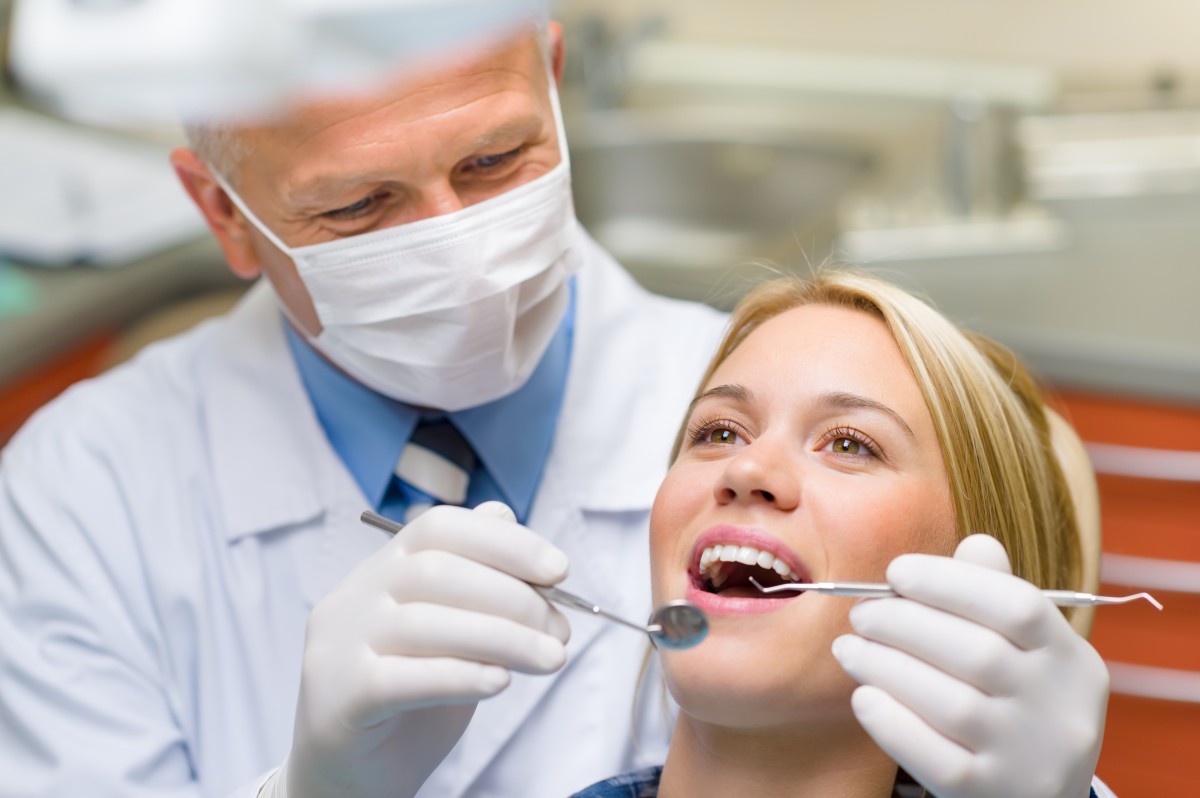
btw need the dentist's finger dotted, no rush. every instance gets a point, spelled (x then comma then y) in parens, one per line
(1009, 605)
(438, 577)
(485, 538)
(956, 710)
(927, 756)
(402, 684)
(431, 630)
(983, 550)
(497, 509)
(964, 649)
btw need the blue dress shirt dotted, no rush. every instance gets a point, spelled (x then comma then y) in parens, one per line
(511, 436)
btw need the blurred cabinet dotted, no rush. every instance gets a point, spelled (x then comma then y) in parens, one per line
(102, 349)
(22, 396)
(1147, 458)
(86, 318)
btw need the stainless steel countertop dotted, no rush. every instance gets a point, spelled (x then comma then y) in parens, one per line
(1114, 307)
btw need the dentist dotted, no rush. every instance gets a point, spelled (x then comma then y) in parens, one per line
(188, 604)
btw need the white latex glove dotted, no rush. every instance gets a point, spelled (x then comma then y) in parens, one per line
(974, 682)
(397, 656)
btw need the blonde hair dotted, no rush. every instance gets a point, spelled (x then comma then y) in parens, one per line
(988, 413)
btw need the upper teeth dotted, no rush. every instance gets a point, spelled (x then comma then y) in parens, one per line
(747, 555)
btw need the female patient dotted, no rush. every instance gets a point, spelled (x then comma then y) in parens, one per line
(841, 424)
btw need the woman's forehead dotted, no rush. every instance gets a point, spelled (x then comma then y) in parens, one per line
(815, 349)
(816, 335)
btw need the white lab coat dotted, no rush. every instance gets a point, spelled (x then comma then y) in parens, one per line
(166, 529)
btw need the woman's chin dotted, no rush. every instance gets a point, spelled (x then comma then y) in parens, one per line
(733, 683)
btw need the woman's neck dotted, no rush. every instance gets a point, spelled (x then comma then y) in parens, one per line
(707, 760)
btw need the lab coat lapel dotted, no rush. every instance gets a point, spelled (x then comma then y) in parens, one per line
(587, 476)
(275, 469)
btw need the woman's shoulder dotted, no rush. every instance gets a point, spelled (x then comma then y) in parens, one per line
(638, 784)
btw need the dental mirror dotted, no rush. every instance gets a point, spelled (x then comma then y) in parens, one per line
(675, 625)
(681, 624)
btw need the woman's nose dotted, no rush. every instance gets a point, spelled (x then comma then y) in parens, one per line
(761, 472)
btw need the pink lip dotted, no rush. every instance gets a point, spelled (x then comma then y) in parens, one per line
(742, 536)
(714, 604)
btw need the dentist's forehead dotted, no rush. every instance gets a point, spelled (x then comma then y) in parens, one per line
(515, 65)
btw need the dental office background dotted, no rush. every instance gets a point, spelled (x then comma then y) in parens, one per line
(1031, 165)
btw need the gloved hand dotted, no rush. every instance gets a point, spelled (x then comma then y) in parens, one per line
(974, 682)
(397, 656)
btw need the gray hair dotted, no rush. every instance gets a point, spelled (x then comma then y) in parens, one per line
(218, 145)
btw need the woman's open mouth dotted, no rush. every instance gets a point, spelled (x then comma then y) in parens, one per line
(725, 570)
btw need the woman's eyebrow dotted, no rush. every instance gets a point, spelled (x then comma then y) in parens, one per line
(735, 392)
(851, 401)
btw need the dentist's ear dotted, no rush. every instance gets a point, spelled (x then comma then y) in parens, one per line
(554, 42)
(228, 226)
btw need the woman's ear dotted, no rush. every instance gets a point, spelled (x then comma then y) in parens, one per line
(228, 225)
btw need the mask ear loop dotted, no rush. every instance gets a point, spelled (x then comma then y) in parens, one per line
(241, 205)
(564, 152)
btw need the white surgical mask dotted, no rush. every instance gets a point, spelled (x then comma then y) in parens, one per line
(453, 311)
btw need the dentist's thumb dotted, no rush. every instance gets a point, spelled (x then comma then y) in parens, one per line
(497, 509)
(983, 550)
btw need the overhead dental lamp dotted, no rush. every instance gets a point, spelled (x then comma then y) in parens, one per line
(122, 61)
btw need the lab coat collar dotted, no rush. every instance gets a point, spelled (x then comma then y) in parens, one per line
(603, 433)
(599, 442)
(600, 467)
(268, 463)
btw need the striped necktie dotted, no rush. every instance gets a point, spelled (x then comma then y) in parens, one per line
(435, 466)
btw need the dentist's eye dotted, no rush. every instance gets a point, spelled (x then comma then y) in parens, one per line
(357, 209)
(488, 163)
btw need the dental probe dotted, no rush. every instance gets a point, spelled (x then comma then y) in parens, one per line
(675, 625)
(1060, 598)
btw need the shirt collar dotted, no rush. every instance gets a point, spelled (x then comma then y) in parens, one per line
(366, 429)
(511, 436)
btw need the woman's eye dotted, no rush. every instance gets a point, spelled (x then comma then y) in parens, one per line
(845, 445)
(715, 433)
(850, 443)
(721, 436)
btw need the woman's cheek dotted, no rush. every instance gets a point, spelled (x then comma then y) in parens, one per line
(675, 507)
(881, 527)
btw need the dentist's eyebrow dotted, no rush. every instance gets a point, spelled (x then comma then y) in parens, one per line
(314, 193)
(852, 401)
(735, 392)
(511, 133)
